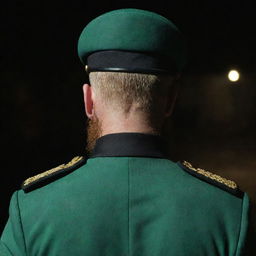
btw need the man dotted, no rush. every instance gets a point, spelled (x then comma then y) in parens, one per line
(128, 198)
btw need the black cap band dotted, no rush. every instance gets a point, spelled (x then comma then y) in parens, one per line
(132, 62)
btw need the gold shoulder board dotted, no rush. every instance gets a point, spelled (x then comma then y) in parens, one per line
(52, 174)
(226, 184)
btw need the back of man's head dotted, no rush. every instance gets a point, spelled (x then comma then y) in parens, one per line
(133, 58)
(135, 94)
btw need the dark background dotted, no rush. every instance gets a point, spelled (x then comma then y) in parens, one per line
(42, 113)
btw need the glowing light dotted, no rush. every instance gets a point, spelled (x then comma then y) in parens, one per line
(233, 75)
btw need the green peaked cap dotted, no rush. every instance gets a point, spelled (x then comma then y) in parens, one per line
(132, 40)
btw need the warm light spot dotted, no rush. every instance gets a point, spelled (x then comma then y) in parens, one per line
(233, 75)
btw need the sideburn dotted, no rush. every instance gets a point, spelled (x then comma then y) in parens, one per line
(94, 131)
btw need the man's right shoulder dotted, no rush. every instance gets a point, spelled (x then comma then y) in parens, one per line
(53, 174)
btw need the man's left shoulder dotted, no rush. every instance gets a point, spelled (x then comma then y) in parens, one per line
(213, 179)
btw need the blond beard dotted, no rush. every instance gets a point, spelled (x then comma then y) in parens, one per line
(94, 131)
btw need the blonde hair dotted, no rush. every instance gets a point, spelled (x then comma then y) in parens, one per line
(122, 90)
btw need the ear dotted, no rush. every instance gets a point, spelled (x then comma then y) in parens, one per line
(88, 100)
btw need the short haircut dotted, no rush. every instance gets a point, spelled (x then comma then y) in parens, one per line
(120, 91)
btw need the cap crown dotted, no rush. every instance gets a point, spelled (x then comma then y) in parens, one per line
(133, 30)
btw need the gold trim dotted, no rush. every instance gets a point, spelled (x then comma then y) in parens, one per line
(46, 173)
(228, 183)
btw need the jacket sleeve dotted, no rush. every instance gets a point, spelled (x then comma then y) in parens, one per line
(12, 240)
(246, 245)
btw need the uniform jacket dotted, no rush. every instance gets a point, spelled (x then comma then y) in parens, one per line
(127, 199)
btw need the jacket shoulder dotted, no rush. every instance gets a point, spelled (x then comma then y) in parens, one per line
(53, 174)
(213, 179)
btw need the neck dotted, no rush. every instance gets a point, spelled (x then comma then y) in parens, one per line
(123, 124)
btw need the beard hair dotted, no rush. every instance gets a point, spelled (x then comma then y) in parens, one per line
(94, 131)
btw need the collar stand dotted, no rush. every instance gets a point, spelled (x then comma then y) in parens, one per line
(130, 144)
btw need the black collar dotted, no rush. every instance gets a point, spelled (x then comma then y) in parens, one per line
(130, 144)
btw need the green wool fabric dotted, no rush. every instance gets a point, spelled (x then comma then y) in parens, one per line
(137, 206)
(133, 30)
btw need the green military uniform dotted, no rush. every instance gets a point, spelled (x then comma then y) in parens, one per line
(128, 198)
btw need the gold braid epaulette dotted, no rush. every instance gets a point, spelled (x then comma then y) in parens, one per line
(229, 183)
(39, 176)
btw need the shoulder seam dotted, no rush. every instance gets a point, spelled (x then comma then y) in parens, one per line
(21, 225)
(241, 231)
(53, 170)
(212, 176)
(5, 248)
(52, 174)
(213, 179)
